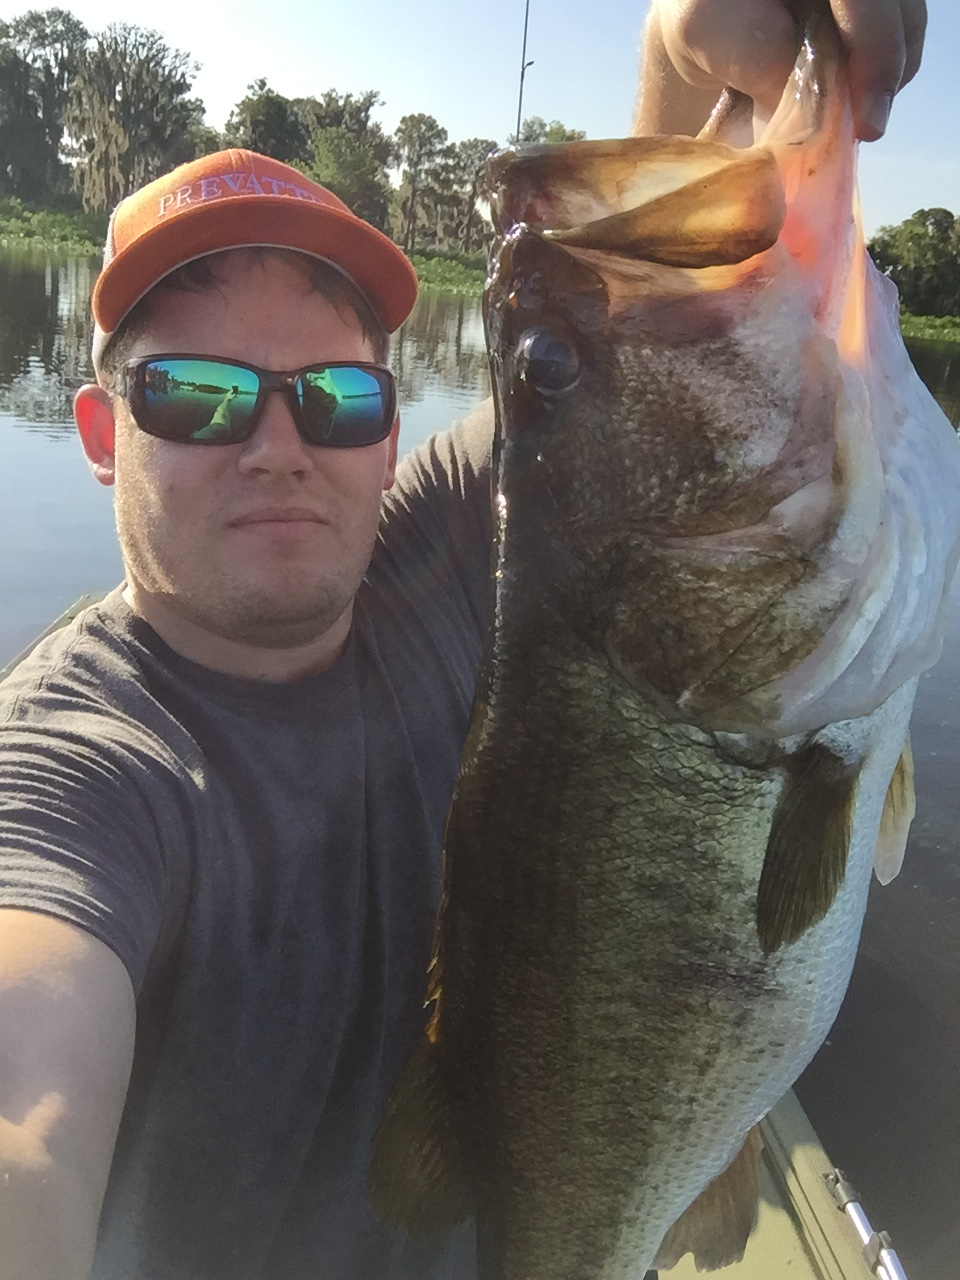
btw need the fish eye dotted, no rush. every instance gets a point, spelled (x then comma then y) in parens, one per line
(547, 361)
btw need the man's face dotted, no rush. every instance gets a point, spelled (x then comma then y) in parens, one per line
(263, 542)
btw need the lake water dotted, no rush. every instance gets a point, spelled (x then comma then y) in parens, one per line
(883, 1093)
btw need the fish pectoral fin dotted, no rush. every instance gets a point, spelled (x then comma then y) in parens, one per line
(899, 809)
(416, 1170)
(806, 856)
(716, 1227)
(719, 218)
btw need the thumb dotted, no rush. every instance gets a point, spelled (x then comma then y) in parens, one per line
(751, 45)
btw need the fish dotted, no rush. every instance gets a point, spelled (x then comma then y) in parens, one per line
(726, 518)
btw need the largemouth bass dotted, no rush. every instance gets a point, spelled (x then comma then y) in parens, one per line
(728, 514)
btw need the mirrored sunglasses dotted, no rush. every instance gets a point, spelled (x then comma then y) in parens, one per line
(206, 400)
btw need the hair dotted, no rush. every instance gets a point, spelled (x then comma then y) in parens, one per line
(201, 274)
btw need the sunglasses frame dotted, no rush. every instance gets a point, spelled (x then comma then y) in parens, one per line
(134, 373)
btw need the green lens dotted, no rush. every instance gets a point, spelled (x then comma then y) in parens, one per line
(200, 400)
(344, 407)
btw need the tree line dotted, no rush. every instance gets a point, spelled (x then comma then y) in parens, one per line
(87, 117)
(922, 257)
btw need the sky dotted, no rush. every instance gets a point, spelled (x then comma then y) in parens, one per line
(460, 63)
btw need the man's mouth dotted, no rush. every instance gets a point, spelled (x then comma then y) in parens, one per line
(278, 515)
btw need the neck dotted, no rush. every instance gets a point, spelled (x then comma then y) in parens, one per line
(286, 659)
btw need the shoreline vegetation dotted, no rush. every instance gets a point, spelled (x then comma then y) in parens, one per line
(462, 274)
(82, 235)
(50, 230)
(930, 328)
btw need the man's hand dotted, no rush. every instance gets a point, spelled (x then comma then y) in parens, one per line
(751, 45)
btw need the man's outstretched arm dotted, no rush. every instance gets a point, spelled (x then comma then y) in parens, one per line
(67, 1023)
(695, 48)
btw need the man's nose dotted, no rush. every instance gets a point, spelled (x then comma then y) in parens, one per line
(276, 444)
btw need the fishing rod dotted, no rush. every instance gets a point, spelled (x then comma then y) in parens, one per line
(523, 66)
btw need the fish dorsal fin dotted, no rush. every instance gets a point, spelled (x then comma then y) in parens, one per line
(899, 809)
(417, 1178)
(716, 1227)
(806, 856)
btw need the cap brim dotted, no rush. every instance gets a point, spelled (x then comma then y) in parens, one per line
(379, 269)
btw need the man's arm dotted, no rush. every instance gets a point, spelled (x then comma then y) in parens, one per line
(695, 48)
(67, 1023)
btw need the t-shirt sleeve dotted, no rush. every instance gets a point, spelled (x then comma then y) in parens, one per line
(441, 506)
(78, 833)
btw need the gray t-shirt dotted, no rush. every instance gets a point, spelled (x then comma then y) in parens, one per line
(264, 859)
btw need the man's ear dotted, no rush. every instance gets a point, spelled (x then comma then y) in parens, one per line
(390, 470)
(93, 412)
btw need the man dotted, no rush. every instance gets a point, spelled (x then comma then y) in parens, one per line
(263, 734)
(222, 790)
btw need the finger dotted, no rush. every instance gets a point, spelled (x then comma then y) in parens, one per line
(872, 32)
(750, 46)
(914, 14)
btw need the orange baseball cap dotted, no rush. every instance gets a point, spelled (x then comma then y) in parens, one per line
(231, 199)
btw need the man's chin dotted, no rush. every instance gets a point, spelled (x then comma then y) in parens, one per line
(266, 620)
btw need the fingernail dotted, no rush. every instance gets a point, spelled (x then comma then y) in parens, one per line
(878, 113)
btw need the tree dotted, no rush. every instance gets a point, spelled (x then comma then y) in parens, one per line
(21, 130)
(344, 111)
(472, 157)
(39, 55)
(439, 198)
(350, 151)
(922, 257)
(128, 113)
(536, 130)
(419, 140)
(267, 122)
(349, 166)
(449, 192)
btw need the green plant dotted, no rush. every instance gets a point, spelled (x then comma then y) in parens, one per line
(449, 275)
(944, 328)
(22, 226)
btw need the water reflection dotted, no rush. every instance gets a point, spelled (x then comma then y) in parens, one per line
(45, 335)
(938, 364)
(440, 359)
(438, 356)
(442, 342)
